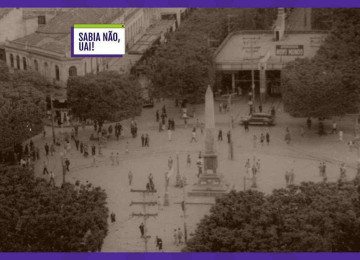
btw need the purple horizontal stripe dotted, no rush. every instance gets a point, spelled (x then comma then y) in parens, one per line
(179, 3)
(178, 256)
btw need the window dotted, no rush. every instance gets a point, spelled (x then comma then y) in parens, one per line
(46, 70)
(72, 71)
(17, 62)
(36, 65)
(12, 61)
(41, 19)
(57, 73)
(24, 63)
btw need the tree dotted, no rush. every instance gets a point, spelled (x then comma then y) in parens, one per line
(327, 85)
(37, 217)
(183, 67)
(22, 106)
(307, 218)
(104, 96)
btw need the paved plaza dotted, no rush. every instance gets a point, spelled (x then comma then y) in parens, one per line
(303, 154)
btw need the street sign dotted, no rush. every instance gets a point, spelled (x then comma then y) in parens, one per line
(289, 50)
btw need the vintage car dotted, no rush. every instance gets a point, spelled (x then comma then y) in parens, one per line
(259, 119)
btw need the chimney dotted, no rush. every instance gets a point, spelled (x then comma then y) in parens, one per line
(279, 29)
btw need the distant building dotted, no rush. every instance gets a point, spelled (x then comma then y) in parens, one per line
(19, 22)
(266, 53)
(47, 50)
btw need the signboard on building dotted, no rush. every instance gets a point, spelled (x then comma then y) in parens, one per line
(289, 50)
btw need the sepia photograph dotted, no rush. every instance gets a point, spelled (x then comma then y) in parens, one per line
(218, 130)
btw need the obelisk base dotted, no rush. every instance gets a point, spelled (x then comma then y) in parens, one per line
(209, 185)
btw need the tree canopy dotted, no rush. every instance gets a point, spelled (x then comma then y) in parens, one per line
(22, 106)
(104, 96)
(183, 67)
(307, 218)
(37, 217)
(327, 85)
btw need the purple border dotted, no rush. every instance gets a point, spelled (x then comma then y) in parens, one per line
(87, 56)
(180, 3)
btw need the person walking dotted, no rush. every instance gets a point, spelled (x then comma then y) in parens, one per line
(169, 135)
(262, 139)
(176, 240)
(159, 243)
(117, 159)
(157, 116)
(342, 173)
(188, 160)
(308, 123)
(246, 125)
(45, 168)
(142, 140)
(170, 162)
(193, 138)
(287, 178)
(130, 177)
(52, 179)
(46, 149)
(180, 236)
(292, 177)
(112, 159)
(228, 135)
(67, 164)
(52, 149)
(220, 136)
(142, 229)
(254, 141)
(147, 140)
(341, 136)
(247, 167)
(287, 136)
(267, 136)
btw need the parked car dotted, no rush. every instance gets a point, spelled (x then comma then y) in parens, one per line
(259, 119)
(148, 103)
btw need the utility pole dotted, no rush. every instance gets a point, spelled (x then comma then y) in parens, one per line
(52, 118)
(144, 213)
(251, 41)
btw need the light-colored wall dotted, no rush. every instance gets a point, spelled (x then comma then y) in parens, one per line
(11, 26)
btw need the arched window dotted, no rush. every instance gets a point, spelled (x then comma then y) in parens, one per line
(36, 65)
(17, 62)
(12, 61)
(72, 71)
(57, 72)
(24, 63)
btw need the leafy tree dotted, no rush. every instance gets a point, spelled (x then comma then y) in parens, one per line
(307, 218)
(327, 85)
(104, 96)
(183, 67)
(22, 106)
(37, 217)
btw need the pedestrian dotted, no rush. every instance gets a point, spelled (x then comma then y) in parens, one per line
(250, 103)
(292, 177)
(176, 239)
(169, 135)
(247, 166)
(287, 136)
(220, 138)
(201, 127)
(130, 177)
(193, 138)
(112, 159)
(46, 149)
(246, 125)
(151, 182)
(157, 116)
(199, 165)
(308, 123)
(142, 140)
(170, 162)
(342, 173)
(44, 133)
(260, 108)
(228, 135)
(254, 140)
(262, 139)
(142, 229)
(341, 136)
(52, 179)
(77, 144)
(127, 147)
(37, 151)
(117, 159)
(180, 235)
(257, 165)
(147, 140)
(188, 160)
(45, 168)
(287, 178)
(81, 147)
(67, 164)
(324, 175)
(159, 243)
(267, 136)
(273, 111)
(113, 217)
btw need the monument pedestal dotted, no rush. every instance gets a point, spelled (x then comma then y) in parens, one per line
(210, 183)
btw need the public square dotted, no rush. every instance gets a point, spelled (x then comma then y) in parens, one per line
(303, 154)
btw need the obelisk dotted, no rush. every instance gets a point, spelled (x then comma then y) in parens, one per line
(210, 182)
(210, 157)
